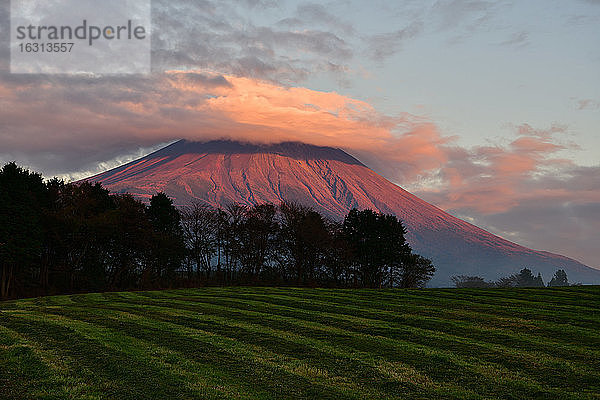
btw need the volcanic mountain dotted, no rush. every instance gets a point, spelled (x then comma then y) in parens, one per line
(333, 182)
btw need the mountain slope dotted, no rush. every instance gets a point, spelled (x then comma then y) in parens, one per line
(333, 182)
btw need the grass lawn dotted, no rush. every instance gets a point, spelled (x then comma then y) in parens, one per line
(276, 343)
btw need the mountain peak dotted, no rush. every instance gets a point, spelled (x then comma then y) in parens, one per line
(295, 150)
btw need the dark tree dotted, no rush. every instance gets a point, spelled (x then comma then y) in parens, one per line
(338, 257)
(199, 223)
(167, 250)
(303, 240)
(525, 278)
(221, 229)
(463, 281)
(257, 236)
(415, 271)
(378, 246)
(559, 279)
(22, 198)
(506, 281)
(129, 263)
(234, 219)
(79, 235)
(538, 281)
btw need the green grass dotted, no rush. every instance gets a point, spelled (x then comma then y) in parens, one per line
(276, 343)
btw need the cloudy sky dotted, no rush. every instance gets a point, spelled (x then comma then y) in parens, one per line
(488, 109)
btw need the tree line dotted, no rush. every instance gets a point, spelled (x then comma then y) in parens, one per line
(524, 278)
(58, 237)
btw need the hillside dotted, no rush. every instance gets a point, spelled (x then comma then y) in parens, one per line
(271, 343)
(330, 180)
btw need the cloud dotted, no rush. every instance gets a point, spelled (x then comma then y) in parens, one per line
(261, 4)
(467, 14)
(382, 46)
(314, 13)
(489, 179)
(587, 104)
(99, 118)
(217, 36)
(517, 39)
(556, 219)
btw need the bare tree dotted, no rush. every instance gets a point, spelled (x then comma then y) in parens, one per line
(199, 223)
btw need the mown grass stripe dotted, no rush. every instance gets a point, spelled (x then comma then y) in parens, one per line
(453, 297)
(561, 297)
(485, 368)
(233, 334)
(487, 351)
(113, 372)
(335, 301)
(202, 380)
(496, 306)
(144, 322)
(469, 325)
(24, 373)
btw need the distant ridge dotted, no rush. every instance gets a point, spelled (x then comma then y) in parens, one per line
(333, 182)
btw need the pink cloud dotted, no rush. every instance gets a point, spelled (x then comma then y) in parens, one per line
(493, 179)
(81, 115)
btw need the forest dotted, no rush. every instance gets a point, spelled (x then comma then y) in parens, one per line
(58, 237)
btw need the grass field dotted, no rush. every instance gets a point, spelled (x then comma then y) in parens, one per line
(277, 343)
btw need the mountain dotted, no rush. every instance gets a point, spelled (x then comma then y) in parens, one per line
(333, 182)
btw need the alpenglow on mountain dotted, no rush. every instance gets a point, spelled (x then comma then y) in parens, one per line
(333, 182)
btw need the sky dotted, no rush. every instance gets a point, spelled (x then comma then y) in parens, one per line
(487, 109)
